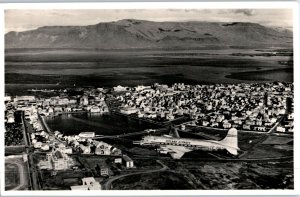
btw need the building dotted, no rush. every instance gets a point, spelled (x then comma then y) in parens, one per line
(119, 88)
(290, 116)
(88, 183)
(103, 148)
(104, 171)
(280, 129)
(59, 161)
(45, 147)
(24, 98)
(56, 160)
(10, 119)
(95, 109)
(7, 98)
(25, 157)
(85, 149)
(128, 162)
(87, 134)
(128, 110)
(38, 145)
(118, 160)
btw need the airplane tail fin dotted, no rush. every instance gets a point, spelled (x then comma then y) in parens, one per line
(174, 132)
(231, 141)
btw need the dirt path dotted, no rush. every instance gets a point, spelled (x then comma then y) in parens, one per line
(108, 184)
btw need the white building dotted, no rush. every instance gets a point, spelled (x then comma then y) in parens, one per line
(60, 161)
(128, 162)
(45, 147)
(38, 145)
(95, 109)
(7, 98)
(120, 88)
(85, 149)
(118, 160)
(87, 135)
(128, 110)
(88, 183)
(280, 129)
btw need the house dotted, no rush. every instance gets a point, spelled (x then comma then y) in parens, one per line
(290, 116)
(88, 183)
(261, 128)
(247, 127)
(280, 129)
(170, 116)
(128, 110)
(68, 109)
(56, 160)
(103, 149)
(119, 88)
(45, 147)
(85, 149)
(128, 162)
(7, 98)
(226, 125)
(58, 109)
(10, 119)
(38, 145)
(104, 171)
(214, 124)
(67, 150)
(205, 123)
(118, 160)
(59, 161)
(95, 109)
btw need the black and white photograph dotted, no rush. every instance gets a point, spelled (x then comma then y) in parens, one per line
(177, 98)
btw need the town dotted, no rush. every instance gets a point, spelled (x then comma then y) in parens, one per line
(92, 161)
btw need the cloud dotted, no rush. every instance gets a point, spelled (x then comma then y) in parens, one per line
(247, 12)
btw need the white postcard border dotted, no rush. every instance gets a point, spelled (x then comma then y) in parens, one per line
(160, 5)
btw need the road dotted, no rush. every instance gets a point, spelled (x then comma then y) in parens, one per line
(272, 130)
(108, 184)
(47, 129)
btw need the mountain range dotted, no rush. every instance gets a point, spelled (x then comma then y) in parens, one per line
(141, 34)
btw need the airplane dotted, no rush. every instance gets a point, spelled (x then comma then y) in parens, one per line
(177, 146)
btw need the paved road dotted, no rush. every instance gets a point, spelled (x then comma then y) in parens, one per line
(272, 130)
(22, 177)
(108, 184)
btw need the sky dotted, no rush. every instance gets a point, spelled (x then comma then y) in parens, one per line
(22, 20)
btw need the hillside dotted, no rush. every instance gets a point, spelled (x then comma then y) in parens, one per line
(131, 34)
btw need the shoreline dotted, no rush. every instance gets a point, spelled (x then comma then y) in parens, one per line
(259, 74)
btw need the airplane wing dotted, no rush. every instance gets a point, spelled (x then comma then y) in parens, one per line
(177, 155)
(176, 152)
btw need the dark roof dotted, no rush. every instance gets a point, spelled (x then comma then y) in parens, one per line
(126, 158)
(58, 154)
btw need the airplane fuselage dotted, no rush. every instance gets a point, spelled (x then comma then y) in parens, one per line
(177, 147)
(192, 144)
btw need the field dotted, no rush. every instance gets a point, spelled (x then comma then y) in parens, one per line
(14, 150)
(196, 170)
(159, 180)
(16, 174)
(213, 175)
(12, 177)
(88, 165)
